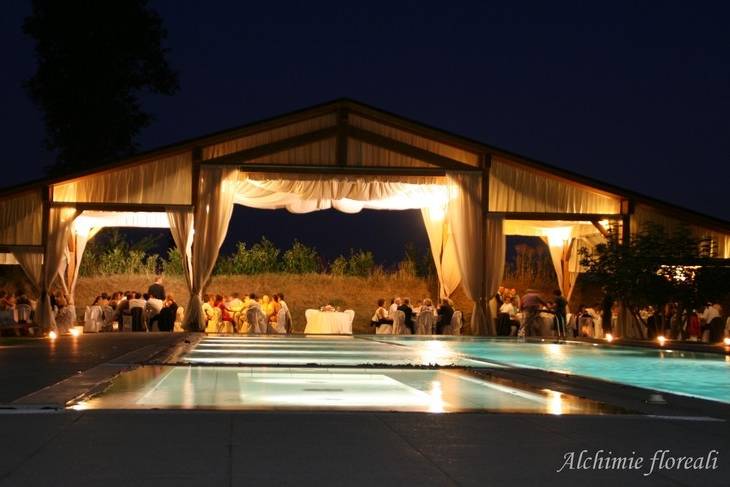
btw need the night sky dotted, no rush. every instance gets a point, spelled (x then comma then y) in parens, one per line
(636, 94)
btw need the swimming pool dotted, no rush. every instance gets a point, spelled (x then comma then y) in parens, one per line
(349, 389)
(703, 375)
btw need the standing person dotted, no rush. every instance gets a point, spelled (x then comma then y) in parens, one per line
(531, 303)
(560, 305)
(408, 312)
(394, 303)
(156, 289)
(445, 313)
(285, 307)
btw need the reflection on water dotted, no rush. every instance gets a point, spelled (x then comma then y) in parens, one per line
(704, 375)
(265, 388)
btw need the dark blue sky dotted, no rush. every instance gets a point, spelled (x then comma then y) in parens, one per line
(633, 93)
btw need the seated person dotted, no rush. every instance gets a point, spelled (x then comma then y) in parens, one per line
(65, 316)
(408, 312)
(380, 317)
(166, 318)
(137, 302)
(445, 313)
(267, 306)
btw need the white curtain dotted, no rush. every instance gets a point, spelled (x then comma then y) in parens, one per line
(512, 188)
(59, 227)
(212, 216)
(465, 215)
(349, 195)
(32, 264)
(81, 236)
(181, 227)
(164, 181)
(443, 250)
(21, 219)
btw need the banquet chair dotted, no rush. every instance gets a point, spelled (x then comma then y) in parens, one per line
(108, 318)
(399, 323)
(384, 329)
(137, 319)
(213, 323)
(126, 323)
(456, 322)
(424, 323)
(280, 323)
(24, 312)
(179, 316)
(256, 321)
(93, 319)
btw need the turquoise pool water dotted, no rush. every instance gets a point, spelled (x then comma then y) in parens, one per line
(702, 375)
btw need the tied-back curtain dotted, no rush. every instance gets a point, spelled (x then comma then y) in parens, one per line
(465, 216)
(442, 250)
(212, 216)
(59, 227)
(181, 228)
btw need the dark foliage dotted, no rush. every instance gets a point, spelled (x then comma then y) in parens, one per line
(95, 60)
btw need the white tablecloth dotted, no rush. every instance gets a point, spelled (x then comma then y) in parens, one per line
(328, 322)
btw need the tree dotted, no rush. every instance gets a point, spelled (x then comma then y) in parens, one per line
(654, 268)
(95, 60)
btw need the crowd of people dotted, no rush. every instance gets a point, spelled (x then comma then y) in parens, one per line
(130, 311)
(250, 314)
(702, 324)
(421, 318)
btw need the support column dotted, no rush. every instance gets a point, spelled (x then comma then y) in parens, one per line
(486, 164)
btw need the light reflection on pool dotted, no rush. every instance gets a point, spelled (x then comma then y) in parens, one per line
(704, 375)
(267, 388)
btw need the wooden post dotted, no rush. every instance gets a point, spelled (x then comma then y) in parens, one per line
(486, 164)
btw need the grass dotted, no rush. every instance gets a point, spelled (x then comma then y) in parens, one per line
(301, 291)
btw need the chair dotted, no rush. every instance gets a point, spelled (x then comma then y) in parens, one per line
(384, 329)
(256, 320)
(399, 323)
(93, 319)
(179, 316)
(24, 313)
(425, 322)
(108, 318)
(215, 324)
(126, 323)
(137, 319)
(456, 322)
(280, 323)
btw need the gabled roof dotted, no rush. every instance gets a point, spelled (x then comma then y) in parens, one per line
(435, 147)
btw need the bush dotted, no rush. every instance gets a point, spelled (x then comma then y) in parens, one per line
(260, 258)
(339, 266)
(361, 263)
(173, 266)
(300, 259)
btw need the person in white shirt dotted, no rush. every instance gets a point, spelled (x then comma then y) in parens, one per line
(137, 302)
(394, 306)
